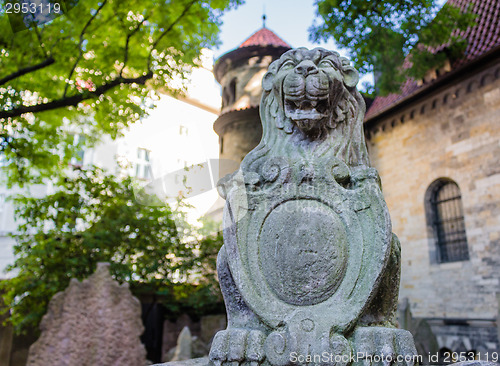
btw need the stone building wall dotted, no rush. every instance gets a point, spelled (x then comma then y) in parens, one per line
(454, 133)
(240, 132)
(241, 84)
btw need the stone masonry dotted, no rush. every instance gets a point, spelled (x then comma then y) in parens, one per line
(454, 133)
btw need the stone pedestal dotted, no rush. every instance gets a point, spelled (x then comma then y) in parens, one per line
(192, 362)
(205, 362)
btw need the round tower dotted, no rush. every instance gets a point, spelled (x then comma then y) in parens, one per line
(240, 73)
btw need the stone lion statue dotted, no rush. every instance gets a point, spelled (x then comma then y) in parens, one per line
(309, 267)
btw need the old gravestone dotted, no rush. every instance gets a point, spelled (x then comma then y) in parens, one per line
(309, 269)
(183, 350)
(96, 322)
(425, 341)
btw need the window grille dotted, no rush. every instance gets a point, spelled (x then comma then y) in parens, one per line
(448, 222)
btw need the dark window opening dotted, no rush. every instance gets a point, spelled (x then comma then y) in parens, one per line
(229, 93)
(232, 91)
(448, 221)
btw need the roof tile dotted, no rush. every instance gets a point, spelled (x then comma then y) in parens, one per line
(264, 37)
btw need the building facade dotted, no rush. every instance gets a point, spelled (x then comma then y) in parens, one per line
(436, 147)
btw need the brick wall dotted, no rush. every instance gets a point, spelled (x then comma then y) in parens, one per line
(454, 133)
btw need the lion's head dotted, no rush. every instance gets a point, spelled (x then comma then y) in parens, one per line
(311, 97)
(309, 86)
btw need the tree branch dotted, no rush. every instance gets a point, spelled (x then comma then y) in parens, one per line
(75, 99)
(26, 70)
(125, 56)
(80, 46)
(166, 31)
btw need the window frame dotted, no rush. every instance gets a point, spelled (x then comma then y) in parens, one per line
(437, 231)
(143, 164)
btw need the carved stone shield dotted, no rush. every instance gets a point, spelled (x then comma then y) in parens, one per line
(306, 258)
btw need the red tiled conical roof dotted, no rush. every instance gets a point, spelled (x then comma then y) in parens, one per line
(264, 37)
(263, 42)
(481, 38)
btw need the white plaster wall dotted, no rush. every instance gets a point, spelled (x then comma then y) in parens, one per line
(178, 133)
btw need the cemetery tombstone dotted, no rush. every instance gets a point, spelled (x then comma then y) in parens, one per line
(96, 322)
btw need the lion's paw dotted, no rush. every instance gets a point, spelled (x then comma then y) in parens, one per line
(235, 346)
(384, 347)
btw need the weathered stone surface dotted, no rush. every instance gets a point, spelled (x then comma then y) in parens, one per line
(202, 361)
(309, 264)
(96, 322)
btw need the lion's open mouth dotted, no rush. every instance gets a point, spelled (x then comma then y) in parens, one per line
(305, 109)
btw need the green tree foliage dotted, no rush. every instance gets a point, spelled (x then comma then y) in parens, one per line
(382, 34)
(94, 217)
(91, 71)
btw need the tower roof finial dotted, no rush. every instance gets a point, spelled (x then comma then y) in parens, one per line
(264, 17)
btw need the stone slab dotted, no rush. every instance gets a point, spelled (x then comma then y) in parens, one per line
(202, 361)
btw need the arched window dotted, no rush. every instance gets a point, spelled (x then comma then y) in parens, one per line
(446, 218)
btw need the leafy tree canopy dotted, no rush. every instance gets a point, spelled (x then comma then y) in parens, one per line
(90, 71)
(381, 34)
(94, 217)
